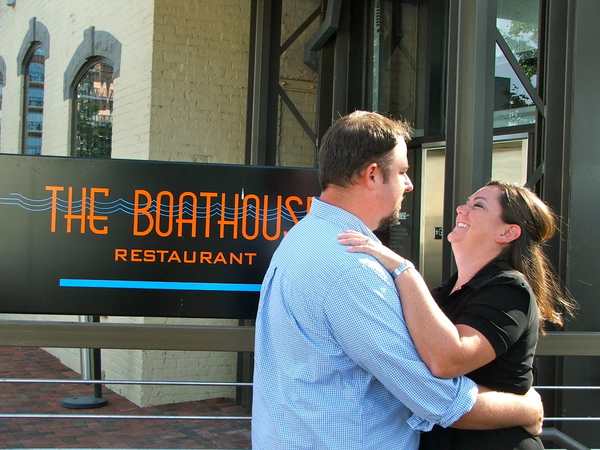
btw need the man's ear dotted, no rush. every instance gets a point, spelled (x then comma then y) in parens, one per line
(511, 233)
(370, 174)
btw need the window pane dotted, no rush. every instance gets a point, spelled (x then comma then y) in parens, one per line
(94, 97)
(518, 23)
(35, 102)
(512, 105)
(405, 74)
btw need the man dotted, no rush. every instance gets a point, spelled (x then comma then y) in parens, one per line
(335, 367)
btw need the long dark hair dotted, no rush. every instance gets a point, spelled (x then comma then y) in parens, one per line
(522, 207)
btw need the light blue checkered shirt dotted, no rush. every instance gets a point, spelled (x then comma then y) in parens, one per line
(335, 367)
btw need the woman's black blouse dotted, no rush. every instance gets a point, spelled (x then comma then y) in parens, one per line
(497, 302)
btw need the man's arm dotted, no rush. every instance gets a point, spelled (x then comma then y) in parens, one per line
(494, 410)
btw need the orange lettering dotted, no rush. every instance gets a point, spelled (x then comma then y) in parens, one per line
(70, 216)
(256, 214)
(266, 219)
(289, 207)
(192, 220)
(235, 258)
(149, 256)
(135, 255)
(174, 257)
(186, 259)
(120, 253)
(171, 205)
(54, 190)
(205, 257)
(208, 213)
(92, 217)
(137, 210)
(234, 221)
(220, 258)
(162, 254)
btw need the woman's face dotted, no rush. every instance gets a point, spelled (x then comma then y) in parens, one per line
(478, 222)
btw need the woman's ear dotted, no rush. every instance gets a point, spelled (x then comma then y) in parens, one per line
(511, 233)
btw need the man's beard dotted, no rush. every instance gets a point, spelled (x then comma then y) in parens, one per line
(390, 220)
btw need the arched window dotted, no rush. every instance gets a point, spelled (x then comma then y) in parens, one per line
(33, 112)
(93, 105)
(89, 84)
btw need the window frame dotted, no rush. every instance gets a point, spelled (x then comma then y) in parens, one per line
(26, 63)
(91, 62)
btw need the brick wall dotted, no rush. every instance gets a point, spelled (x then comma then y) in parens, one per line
(200, 67)
(181, 96)
(66, 22)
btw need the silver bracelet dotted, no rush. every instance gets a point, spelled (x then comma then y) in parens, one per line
(401, 268)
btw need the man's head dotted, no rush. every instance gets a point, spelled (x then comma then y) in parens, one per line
(363, 164)
(356, 140)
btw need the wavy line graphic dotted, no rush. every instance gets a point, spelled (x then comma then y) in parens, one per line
(127, 207)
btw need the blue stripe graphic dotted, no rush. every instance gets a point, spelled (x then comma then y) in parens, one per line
(173, 285)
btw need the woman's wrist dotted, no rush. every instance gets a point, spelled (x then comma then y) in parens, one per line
(401, 268)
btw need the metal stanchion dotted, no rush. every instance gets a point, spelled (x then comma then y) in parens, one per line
(91, 368)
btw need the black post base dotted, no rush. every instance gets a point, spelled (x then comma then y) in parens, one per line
(86, 402)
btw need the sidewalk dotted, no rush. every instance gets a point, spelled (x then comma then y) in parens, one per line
(40, 398)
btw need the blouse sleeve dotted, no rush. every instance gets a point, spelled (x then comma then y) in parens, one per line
(500, 310)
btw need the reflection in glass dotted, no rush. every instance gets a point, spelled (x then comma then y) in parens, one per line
(405, 71)
(512, 104)
(94, 109)
(34, 106)
(405, 79)
(518, 24)
(393, 55)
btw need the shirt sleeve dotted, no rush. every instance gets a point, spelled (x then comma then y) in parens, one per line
(500, 312)
(364, 315)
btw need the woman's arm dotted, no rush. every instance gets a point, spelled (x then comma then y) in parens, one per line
(446, 349)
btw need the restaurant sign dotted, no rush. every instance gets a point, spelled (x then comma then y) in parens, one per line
(142, 238)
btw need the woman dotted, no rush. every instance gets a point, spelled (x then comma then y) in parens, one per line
(491, 310)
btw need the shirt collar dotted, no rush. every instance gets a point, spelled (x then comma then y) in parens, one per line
(482, 276)
(485, 272)
(341, 217)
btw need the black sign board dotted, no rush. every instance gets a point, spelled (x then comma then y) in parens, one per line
(141, 238)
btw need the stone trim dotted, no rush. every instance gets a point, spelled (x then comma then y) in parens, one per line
(95, 44)
(37, 33)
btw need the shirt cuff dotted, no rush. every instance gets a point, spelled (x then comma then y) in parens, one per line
(464, 401)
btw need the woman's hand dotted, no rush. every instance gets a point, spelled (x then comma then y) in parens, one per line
(359, 243)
